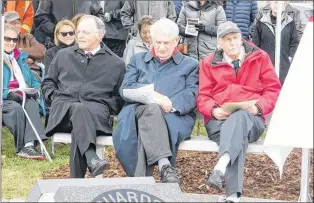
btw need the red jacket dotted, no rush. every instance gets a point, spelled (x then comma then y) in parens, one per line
(256, 80)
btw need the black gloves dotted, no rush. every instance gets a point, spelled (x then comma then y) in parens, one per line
(200, 27)
(112, 15)
(33, 96)
(15, 97)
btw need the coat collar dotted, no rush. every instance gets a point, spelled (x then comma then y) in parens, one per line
(177, 57)
(103, 50)
(249, 50)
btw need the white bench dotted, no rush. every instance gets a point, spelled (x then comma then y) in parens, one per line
(196, 143)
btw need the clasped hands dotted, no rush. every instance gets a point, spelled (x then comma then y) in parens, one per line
(220, 114)
(163, 101)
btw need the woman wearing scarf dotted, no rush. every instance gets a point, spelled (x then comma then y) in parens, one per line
(17, 74)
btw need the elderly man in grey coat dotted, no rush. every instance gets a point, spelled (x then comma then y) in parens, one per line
(83, 85)
(150, 130)
(132, 11)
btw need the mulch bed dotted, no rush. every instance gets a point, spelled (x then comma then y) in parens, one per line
(261, 175)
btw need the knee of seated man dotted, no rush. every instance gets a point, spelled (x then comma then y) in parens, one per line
(153, 108)
(240, 113)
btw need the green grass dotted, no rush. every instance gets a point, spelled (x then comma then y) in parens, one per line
(18, 174)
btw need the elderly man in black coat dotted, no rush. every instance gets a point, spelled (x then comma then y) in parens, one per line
(82, 86)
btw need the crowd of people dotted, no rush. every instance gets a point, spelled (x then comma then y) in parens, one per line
(92, 52)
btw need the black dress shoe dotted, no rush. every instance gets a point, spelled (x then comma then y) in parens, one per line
(215, 180)
(97, 166)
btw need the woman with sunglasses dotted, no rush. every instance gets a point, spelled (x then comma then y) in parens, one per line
(64, 36)
(17, 74)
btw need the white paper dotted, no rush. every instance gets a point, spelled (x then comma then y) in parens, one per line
(190, 26)
(143, 94)
(234, 106)
(291, 124)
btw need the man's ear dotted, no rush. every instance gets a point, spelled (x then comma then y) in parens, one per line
(177, 39)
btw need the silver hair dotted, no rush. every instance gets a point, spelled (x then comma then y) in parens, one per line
(100, 26)
(164, 26)
(8, 27)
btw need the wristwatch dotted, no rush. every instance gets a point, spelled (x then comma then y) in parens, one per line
(260, 112)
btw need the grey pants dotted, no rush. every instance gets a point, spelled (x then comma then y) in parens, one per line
(78, 121)
(233, 136)
(16, 121)
(153, 138)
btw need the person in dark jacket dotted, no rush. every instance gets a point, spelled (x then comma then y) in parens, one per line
(211, 15)
(265, 38)
(116, 35)
(242, 13)
(288, 10)
(178, 5)
(64, 36)
(82, 87)
(49, 13)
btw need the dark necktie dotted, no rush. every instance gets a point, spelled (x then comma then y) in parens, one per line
(236, 65)
(89, 55)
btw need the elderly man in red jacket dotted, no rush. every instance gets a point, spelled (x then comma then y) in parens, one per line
(237, 72)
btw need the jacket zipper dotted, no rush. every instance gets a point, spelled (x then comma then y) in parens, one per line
(198, 39)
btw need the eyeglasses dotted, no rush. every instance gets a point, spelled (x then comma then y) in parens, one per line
(9, 39)
(64, 34)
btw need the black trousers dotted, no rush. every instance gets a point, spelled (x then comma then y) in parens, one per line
(116, 46)
(233, 136)
(78, 121)
(17, 123)
(153, 138)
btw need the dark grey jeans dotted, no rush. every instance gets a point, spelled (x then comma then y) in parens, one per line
(153, 138)
(16, 121)
(233, 136)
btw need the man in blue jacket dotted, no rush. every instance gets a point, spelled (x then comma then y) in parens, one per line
(151, 126)
(243, 14)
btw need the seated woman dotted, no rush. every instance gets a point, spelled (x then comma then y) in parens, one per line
(151, 127)
(17, 74)
(142, 41)
(64, 36)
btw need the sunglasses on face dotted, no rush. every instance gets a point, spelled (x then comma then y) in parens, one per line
(9, 39)
(64, 34)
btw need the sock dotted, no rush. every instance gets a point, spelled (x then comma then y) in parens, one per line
(223, 163)
(90, 153)
(162, 162)
(29, 144)
(233, 197)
